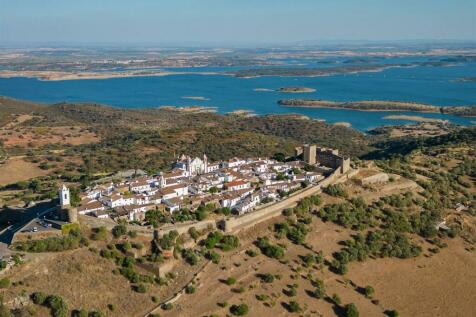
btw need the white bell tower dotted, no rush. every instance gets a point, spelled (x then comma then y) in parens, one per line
(64, 196)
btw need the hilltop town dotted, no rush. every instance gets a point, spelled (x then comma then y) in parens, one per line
(192, 185)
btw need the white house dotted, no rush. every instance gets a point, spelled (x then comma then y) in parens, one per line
(91, 207)
(117, 200)
(173, 204)
(101, 214)
(237, 185)
(140, 186)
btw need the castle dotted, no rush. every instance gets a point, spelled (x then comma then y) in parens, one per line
(313, 155)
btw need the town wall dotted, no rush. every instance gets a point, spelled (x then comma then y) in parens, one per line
(183, 228)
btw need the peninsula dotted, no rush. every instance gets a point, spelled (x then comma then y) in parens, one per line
(380, 105)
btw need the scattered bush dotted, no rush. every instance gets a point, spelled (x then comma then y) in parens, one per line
(230, 281)
(5, 282)
(239, 310)
(39, 298)
(119, 230)
(351, 310)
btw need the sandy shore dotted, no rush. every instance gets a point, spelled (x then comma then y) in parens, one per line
(196, 98)
(243, 112)
(343, 124)
(414, 118)
(59, 75)
(263, 89)
(191, 109)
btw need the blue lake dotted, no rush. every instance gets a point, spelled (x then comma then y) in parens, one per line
(432, 85)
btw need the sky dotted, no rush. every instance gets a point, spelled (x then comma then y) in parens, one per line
(233, 21)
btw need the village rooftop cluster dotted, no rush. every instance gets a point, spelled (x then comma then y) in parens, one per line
(237, 184)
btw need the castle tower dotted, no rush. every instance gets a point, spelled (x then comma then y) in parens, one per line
(64, 196)
(310, 154)
(73, 215)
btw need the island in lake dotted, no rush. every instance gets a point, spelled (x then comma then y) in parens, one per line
(296, 90)
(379, 105)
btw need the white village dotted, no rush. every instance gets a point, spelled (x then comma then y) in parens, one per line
(233, 194)
(239, 185)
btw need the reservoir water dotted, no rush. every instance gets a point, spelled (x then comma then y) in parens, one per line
(422, 84)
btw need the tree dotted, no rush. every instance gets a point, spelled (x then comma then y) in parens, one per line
(392, 313)
(190, 289)
(140, 288)
(193, 233)
(239, 310)
(75, 200)
(279, 157)
(369, 291)
(351, 310)
(336, 299)
(293, 307)
(119, 230)
(58, 306)
(100, 233)
(201, 214)
(266, 277)
(320, 291)
(39, 298)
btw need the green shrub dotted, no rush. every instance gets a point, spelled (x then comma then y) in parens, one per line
(336, 299)
(190, 289)
(5, 282)
(230, 281)
(119, 230)
(351, 310)
(167, 306)
(270, 250)
(58, 306)
(392, 313)
(239, 310)
(100, 233)
(140, 288)
(369, 291)
(293, 307)
(39, 298)
(80, 313)
(266, 277)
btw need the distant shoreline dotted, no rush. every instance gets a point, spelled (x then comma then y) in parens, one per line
(60, 75)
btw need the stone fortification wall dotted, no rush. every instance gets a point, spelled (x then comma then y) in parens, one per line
(201, 225)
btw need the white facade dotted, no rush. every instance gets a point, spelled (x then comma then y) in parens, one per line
(64, 196)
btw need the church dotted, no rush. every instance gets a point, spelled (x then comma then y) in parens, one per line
(192, 167)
